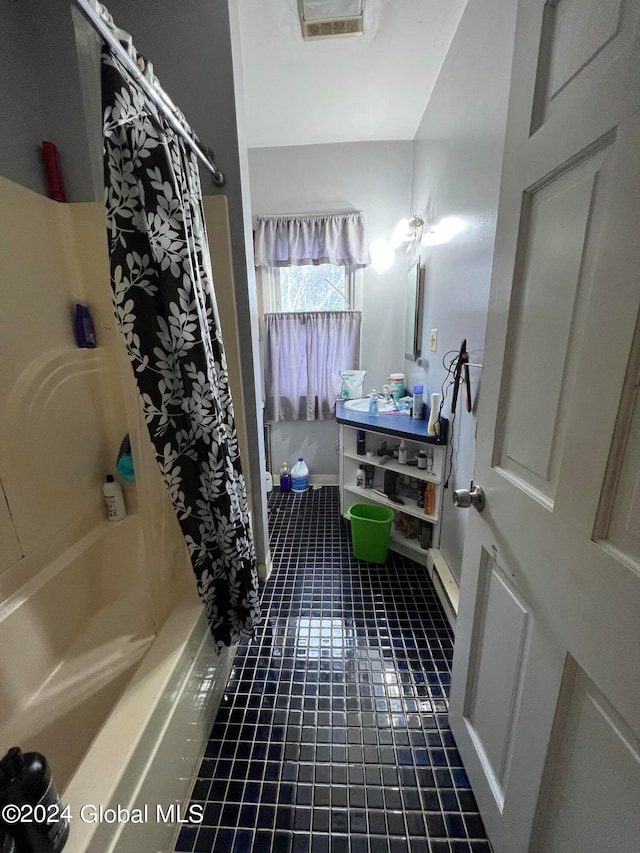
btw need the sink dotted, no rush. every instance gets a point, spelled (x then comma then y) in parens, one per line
(362, 405)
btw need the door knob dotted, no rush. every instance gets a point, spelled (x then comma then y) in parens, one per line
(473, 496)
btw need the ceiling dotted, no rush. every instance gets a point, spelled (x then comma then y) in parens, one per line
(352, 89)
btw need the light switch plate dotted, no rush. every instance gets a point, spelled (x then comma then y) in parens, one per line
(433, 346)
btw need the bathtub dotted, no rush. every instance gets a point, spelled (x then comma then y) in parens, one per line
(88, 681)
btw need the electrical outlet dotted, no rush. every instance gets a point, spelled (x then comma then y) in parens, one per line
(434, 340)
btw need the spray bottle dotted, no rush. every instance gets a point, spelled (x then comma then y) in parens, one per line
(26, 785)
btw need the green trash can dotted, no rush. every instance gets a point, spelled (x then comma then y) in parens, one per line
(370, 531)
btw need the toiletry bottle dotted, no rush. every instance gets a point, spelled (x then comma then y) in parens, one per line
(418, 401)
(360, 443)
(433, 427)
(402, 453)
(429, 460)
(285, 478)
(430, 499)
(422, 460)
(299, 477)
(373, 405)
(25, 782)
(368, 476)
(425, 535)
(113, 499)
(421, 495)
(360, 477)
(84, 328)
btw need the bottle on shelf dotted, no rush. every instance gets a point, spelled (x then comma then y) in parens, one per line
(429, 499)
(402, 453)
(429, 460)
(113, 499)
(426, 532)
(84, 328)
(360, 443)
(360, 477)
(422, 460)
(285, 478)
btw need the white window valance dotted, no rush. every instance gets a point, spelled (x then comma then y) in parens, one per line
(290, 241)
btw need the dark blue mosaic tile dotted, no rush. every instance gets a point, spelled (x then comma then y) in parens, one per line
(332, 736)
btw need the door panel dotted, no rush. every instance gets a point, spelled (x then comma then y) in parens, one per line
(546, 324)
(546, 687)
(578, 41)
(499, 652)
(590, 743)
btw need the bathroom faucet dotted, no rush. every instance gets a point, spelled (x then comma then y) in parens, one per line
(387, 394)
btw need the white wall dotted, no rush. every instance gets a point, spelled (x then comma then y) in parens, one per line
(374, 177)
(457, 166)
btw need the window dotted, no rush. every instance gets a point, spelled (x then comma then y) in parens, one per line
(322, 287)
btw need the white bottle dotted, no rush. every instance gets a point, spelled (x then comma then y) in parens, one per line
(113, 499)
(433, 427)
(299, 477)
(402, 453)
(360, 477)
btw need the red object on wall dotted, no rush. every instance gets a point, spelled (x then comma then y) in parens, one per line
(54, 175)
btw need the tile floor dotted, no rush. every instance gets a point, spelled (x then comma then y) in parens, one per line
(332, 735)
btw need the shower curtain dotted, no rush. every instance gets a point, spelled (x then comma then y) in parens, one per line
(165, 306)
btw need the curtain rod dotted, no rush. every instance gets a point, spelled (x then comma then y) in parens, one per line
(110, 36)
(309, 215)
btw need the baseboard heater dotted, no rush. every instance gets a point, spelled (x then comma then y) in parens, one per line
(445, 583)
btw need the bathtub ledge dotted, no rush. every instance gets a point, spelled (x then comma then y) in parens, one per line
(113, 763)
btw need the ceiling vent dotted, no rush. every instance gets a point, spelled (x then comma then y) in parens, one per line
(322, 19)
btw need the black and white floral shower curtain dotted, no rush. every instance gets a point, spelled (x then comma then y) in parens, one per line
(165, 306)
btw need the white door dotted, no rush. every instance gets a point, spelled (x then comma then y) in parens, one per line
(545, 698)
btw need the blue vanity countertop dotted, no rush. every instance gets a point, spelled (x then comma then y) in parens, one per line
(402, 426)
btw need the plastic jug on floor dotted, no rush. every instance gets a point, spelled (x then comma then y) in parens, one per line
(299, 477)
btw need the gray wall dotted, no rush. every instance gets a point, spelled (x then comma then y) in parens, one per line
(374, 177)
(40, 96)
(457, 165)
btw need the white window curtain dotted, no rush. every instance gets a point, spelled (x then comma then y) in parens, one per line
(289, 241)
(303, 355)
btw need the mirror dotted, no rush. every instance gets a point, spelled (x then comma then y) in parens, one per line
(413, 312)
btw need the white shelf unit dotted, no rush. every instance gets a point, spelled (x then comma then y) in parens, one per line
(351, 494)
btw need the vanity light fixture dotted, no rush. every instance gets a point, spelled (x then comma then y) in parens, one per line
(407, 232)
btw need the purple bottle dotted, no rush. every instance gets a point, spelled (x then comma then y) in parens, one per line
(285, 478)
(85, 331)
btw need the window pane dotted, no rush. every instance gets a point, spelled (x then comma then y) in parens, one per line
(313, 288)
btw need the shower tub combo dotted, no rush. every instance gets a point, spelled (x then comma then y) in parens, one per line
(99, 692)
